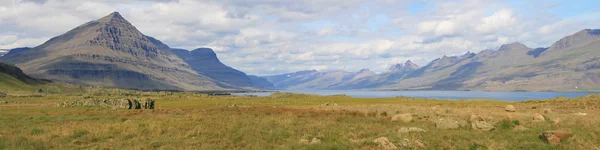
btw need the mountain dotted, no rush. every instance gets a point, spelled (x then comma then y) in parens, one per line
(205, 62)
(570, 64)
(111, 52)
(261, 82)
(15, 51)
(312, 79)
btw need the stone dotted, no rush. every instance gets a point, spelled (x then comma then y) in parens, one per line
(405, 143)
(311, 142)
(538, 118)
(483, 126)
(554, 137)
(520, 128)
(547, 111)
(445, 124)
(315, 141)
(385, 143)
(304, 141)
(509, 108)
(406, 117)
(581, 114)
(410, 129)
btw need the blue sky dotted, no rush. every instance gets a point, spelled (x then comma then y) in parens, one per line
(266, 37)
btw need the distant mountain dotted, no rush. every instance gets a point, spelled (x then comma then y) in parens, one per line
(205, 62)
(570, 64)
(312, 79)
(15, 51)
(261, 82)
(110, 52)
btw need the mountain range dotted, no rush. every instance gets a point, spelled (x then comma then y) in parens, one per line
(570, 64)
(111, 52)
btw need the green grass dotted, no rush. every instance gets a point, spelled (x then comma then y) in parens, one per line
(11, 84)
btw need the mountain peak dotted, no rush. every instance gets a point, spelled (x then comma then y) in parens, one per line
(515, 45)
(589, 32)
(410, 64)
(112, 17)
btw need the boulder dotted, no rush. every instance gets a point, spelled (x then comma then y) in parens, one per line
(538, 118)
(554, 137)
(419, 144)
(410, 129)
(385, 143)
(547, 111)
(483, 126)
(406, 117)
(509, 108)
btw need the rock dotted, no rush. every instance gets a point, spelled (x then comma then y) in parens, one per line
(554, 137)
(556, 121)
(406, 117)
(474, 118)
(304, 141)
(315, 141)
(520, 128)
(483, 126)
(462, 123)
(385, 143)
(538, 118)
(547, 111)
(405, 143)
(581, 114)
(410, 129)
(311, 142)
(446, 124)
(509, 108)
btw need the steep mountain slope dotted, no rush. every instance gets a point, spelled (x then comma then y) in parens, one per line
(261, 82)
(15, 51)
(110, 52)
(204, 61)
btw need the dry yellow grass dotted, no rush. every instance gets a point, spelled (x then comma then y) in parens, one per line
(196, 121)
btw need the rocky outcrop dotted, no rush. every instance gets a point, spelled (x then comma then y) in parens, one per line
(111, 103)
(554, 137)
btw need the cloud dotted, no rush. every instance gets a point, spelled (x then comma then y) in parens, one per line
(270, 37)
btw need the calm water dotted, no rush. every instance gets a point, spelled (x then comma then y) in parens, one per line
(452, 95)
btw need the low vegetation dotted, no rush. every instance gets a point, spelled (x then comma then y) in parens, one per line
(186, 120)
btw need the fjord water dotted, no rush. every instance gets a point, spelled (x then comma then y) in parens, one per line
(449, 95)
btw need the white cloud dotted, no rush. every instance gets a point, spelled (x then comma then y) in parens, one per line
(270, 37)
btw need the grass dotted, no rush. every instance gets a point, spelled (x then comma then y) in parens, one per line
(195, 121)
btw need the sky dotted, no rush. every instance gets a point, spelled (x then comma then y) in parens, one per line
(267, 37)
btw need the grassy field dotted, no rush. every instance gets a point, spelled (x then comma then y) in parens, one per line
(281, 121)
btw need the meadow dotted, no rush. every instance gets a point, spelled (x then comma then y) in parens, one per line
(187, 120)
